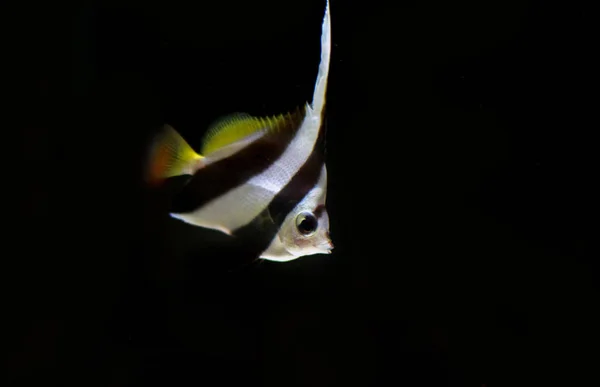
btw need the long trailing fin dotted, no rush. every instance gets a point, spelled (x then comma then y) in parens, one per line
(170, 156)
(318, 102)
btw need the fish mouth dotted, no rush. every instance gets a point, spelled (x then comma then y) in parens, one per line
(327, 246)
(329, 242)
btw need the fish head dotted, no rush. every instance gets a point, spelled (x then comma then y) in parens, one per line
(305, 230)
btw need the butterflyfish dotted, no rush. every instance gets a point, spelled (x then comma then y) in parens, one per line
(264, 173)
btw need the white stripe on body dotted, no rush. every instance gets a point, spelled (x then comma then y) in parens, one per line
(241, 205)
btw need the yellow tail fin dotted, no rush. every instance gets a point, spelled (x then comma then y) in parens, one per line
(170, 156)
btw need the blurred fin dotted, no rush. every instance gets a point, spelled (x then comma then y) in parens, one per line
(170, 156)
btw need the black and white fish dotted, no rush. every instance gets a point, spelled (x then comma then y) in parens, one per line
(264, 174)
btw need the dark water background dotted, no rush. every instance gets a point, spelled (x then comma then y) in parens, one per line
(461, 197)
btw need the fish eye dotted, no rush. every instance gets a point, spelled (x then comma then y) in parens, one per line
(306, 223)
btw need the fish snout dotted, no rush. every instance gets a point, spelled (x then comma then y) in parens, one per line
(328, 245)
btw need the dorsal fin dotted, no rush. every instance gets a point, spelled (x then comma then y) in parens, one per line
(227, 130)
(318, 102)
(236, 127)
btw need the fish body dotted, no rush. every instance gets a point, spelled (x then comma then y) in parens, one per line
(266, 174)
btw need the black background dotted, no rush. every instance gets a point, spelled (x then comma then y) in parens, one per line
(461, 195)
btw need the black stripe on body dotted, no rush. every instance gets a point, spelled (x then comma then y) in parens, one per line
(303, 181)
(222, 176)
(260, 232)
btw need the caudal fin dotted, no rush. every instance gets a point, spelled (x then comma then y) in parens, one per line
(170, 156)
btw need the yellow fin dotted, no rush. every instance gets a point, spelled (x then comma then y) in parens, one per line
(236, 127)
(170, 156)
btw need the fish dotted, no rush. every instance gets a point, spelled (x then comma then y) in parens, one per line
(262, 178)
